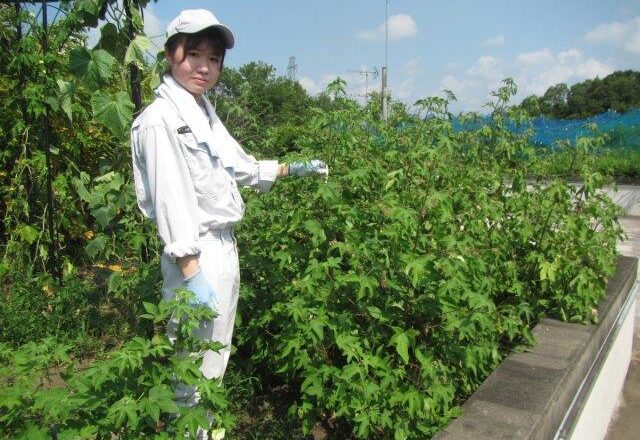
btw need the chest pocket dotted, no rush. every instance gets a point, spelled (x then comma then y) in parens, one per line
(207, 174)
(197, 155)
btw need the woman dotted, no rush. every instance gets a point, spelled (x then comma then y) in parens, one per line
(186, 169)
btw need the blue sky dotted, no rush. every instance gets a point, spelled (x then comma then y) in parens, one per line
(467, 46)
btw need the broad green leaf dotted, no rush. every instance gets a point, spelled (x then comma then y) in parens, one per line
(137, 50)
(114, 111)
(90, 6)
(317, 327)
(92, 66)
(53, 103)
(88, 11)
(377, 314)
(111, 181)
(317, 233)
(66, 96)
(548, 271)
(112, 41)
(104, 214)
(81, 189)
(114, 283)
(402, 346)
(96, 246)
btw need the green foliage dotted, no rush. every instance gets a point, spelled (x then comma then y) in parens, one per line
(252, 100)
(619, 91)
(127, 394)
(614, 154)
(93, 67)
(372, 304)
(114, 111)
(388, 293)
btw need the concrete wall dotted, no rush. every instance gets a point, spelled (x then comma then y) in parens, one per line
(598, 407)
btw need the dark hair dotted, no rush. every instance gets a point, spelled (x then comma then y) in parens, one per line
(191, 41)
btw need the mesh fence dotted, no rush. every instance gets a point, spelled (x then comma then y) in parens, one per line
(622, 129)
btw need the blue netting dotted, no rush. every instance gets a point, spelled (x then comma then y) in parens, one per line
(623, 128)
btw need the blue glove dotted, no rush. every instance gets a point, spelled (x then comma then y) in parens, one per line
(313, 167)
(199, 285)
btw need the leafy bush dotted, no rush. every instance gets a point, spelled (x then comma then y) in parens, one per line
(128, 394)
(387, 294)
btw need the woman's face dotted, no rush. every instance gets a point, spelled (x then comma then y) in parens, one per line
(199, 69)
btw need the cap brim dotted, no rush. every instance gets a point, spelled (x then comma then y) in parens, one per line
(225, 32)
(227, 35)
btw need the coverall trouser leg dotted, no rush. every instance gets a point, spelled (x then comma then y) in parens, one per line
(218, 261)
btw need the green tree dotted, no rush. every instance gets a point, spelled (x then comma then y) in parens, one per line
(619, 91)
(253, 99)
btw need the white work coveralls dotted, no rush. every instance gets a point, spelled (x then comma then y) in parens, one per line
(186, 167)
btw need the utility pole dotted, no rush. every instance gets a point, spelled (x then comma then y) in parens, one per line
(292, 68)
(385, 110)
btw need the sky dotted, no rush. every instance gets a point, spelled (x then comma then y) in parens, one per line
(467, 47)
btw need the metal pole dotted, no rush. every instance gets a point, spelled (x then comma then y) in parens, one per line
(386, 33)
(52, 262)
(385, 110)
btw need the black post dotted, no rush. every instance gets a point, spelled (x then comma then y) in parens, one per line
(134, 72)
(136, 88)
(52, 262)
(31, 187)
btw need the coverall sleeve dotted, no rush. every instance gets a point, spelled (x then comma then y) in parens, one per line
(165, 191)
(260, 174)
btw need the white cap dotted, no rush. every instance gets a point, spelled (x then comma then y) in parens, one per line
(191, 21)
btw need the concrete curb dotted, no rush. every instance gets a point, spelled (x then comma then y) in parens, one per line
(627, 197)
(530, 394)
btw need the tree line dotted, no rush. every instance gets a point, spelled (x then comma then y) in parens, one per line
(619, 91)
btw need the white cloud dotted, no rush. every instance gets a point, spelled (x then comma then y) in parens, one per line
(403, 90)
(592, 68)
(402, 26)
(633, 44)
(607, 33)
(472, 88)
(568, 56)
(534, 72)
(399, 26)
(621, 35)
(537, 71)
(309, 85)
(313, 87)
(486, 68)
(535, 58)
(497, 40)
